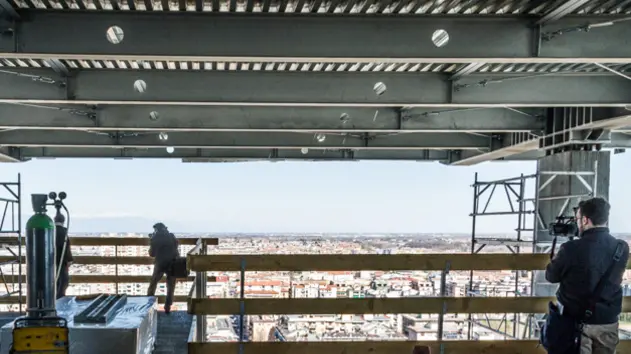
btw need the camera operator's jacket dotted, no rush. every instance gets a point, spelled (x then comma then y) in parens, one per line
(578, 266)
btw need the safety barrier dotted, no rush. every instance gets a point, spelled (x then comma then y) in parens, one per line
(115, 260)
(201, 306)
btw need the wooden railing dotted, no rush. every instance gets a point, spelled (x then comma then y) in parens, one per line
(100, 260)
(436, 305)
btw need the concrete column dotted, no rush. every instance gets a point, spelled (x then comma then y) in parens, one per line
(564, 179)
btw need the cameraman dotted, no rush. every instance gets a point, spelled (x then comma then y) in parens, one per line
(163, 247)
(578, 267)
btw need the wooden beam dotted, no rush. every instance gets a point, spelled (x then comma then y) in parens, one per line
(373, 347)
(98, 260)
(96, 279)
(114, 241)
(416, 305)
(334, 262)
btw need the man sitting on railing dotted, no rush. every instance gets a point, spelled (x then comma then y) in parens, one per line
(164, 248)
(62, 240)
(589, 270)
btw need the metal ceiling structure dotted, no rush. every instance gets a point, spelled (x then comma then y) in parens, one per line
(456, 81)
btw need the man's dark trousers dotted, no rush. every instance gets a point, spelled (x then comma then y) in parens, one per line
(158, 271)
(63, 281)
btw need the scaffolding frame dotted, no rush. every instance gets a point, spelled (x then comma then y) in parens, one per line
(11, 238)
(514, 190)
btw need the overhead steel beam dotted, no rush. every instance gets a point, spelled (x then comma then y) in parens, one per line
(283, 38)
(564, 9)
(7, 10)
(233, 140)
(236, 155)
(6, 155)
(268, 119)
(243, 88)
(573, 129)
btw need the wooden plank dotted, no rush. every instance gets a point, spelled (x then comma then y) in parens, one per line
(115, 241)
(330, 262)
(98, 260)
(383, 347)
(376, 305)
(95, 279)
(373, 347)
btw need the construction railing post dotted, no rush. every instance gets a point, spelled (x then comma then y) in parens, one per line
(443, 293)
(242, 304)
(200, 293)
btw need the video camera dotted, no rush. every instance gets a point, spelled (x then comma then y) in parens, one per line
(564, 226)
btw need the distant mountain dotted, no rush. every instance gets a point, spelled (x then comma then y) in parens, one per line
(115, 224)
(118, 224)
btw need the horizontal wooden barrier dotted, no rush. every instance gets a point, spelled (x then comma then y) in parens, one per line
(115, 241)
(85, 260)
(335, 262)
(96, 279)
(373, 347)
(413, 305)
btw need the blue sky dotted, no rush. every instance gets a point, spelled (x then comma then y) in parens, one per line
(287, 196)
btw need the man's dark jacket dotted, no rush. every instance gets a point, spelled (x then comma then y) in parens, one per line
(163, 247)
(579, 265)
(61, 234)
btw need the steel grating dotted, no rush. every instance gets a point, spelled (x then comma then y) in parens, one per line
(419, 7)
(447, 68)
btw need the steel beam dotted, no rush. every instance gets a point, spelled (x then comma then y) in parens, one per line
(268, 119)
(6, 155)
(564, 9)
(233, 140)
(574, 130)
(7, 10)
(243, 88)
(236, 155)
(230, 37)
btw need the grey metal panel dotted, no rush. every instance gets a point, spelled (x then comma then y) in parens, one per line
(220, 155)
(568, 89)
(277, 88)
(594, 42)
(14, 86)
(287, 36)
(6, 155)
(261, 87)
(186, 118)
(179, 34)
(26, 138)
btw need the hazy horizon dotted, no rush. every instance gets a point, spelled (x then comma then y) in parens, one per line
(285, 197)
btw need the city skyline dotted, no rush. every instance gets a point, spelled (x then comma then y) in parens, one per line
(283, 197)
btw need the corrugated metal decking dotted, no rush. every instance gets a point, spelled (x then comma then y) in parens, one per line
(457, 81)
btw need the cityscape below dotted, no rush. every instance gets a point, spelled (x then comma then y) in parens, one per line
(331, 284)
